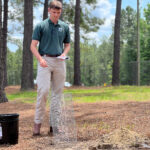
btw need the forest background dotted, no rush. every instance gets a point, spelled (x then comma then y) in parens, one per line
(96, 55)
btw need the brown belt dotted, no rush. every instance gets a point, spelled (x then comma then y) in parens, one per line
(48, 55)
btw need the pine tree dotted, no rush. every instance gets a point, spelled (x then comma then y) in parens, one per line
(27, 66)
(116, 58)
(3, 49)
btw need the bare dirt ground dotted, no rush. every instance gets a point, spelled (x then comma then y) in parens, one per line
(12, 89)
(96, 126)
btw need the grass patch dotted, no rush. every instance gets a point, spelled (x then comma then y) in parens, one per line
(118, 93)
(23, 96)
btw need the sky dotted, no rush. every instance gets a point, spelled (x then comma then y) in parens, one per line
(105, 9)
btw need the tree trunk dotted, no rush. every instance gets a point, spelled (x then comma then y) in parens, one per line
(116, 57)
(0, 29)
(45, 12)
(27, 66)
(3, 97)
(77, 76)
(138, 44)
(5, 16)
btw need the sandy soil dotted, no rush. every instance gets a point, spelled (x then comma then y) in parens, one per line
(93, 121)
(12, 89)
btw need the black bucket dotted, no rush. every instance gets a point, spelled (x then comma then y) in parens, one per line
(9, 128)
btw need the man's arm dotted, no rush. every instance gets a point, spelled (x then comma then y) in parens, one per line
(66, 49)
(35, 52)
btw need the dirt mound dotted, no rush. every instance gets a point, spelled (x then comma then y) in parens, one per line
(120, 139)
(123, 136)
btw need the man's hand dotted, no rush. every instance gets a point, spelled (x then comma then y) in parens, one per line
(66, 50)
(62, 56)
(35, 52)
(43, 63)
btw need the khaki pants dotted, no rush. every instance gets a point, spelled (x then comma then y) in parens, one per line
(52, 76)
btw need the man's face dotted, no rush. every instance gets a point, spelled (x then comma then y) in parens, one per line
(54, 13)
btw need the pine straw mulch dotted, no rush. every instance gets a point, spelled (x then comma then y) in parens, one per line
(102, 125)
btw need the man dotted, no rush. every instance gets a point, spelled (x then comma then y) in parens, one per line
(53, 37)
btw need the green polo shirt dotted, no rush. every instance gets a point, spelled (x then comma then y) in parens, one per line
(51, 36)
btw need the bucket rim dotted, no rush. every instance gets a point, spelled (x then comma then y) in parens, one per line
(13, 115)
(10, 114)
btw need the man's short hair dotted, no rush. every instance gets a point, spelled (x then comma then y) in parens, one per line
(55, 4)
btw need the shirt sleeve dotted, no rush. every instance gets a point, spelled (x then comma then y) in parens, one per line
(67, 36)
(37, 33)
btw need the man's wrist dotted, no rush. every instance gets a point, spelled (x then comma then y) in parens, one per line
(39, 58)
(65, 53)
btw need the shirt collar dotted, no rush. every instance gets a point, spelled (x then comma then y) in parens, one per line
(58, 23)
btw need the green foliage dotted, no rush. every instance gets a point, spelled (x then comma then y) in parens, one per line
(68, 12)
(96, 63)
(128, 32)
(128, 46)
(88, 23)
(145, 38)
(147, 14)
(16, 15)
(91, 1)
(128, 74)
(145, 46)
(14, 65)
